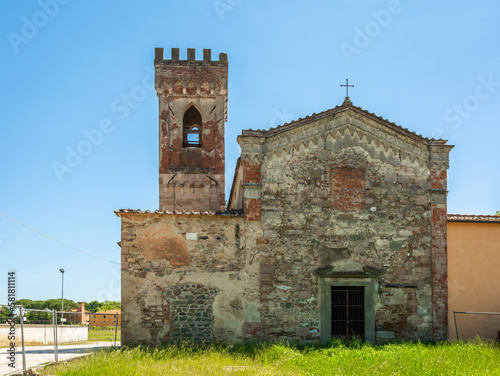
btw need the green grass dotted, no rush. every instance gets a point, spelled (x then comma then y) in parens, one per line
(355, 358)
(104, 334)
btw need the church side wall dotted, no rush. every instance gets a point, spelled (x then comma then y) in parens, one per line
(184, 278)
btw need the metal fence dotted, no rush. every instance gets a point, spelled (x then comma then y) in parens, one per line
(470, 325)
(33, 337)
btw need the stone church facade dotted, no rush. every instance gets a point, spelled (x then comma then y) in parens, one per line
(335, 225)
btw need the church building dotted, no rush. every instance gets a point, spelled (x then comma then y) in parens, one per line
(335, 225)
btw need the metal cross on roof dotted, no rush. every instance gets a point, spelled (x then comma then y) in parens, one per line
(347, 86)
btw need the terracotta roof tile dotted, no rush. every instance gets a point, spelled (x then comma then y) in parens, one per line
(473, 218)
(233, 213)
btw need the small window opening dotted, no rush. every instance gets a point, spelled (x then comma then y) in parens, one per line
(193, 139)
(192, 128)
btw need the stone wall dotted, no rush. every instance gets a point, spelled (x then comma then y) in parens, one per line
(184, 277)
(345, 192)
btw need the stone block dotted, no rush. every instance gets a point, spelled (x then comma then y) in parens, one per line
(395, 246)
(302, 332)
(385, 335)
(266, 269)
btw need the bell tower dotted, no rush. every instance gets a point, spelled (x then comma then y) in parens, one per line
(193, 110)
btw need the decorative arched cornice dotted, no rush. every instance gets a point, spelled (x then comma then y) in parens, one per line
(332, 272)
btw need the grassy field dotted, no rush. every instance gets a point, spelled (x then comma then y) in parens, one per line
(355, 358)
(104, 334)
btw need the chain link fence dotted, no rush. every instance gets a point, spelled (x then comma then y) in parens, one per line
(32, 337)
(470, 325)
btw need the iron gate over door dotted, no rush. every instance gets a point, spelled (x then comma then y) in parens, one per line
(348, 312)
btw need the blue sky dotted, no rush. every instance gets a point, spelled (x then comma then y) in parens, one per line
(69, 158)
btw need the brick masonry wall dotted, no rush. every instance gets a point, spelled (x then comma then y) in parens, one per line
(252, 177)
(181, 84)
(439, 253)
(439, 271)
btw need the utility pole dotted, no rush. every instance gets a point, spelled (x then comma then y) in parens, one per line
(62, 294)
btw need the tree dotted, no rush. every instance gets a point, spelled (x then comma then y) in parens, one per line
(56, 304)
(50, 304)
(498, 212)
(4, 312)
(107, 305)
(93, 306)
(37, 317)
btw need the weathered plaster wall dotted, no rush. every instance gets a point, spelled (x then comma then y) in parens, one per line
(185, 277)
(474, 262)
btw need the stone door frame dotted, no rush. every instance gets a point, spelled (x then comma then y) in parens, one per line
(328, 277)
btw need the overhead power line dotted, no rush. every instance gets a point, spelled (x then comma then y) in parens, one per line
(66, 245)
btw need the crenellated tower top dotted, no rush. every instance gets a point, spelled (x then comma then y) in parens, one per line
(191, 57)
(193, 111)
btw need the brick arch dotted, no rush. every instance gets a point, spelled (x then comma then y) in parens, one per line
(191, 88)
(218, 88)
(205, 88)
(192, 126)
(177, 87)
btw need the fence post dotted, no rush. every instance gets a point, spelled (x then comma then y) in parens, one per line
(456, 328)
(116, 328)
(21, 319)
(54, 317)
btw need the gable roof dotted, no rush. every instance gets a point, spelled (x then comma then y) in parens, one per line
(347, 105)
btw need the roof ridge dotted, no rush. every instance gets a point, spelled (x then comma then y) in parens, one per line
(337, 109)
(396, 125)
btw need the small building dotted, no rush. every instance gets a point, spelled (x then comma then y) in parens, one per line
(80, 316)
(474, 274)
(108, 317)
